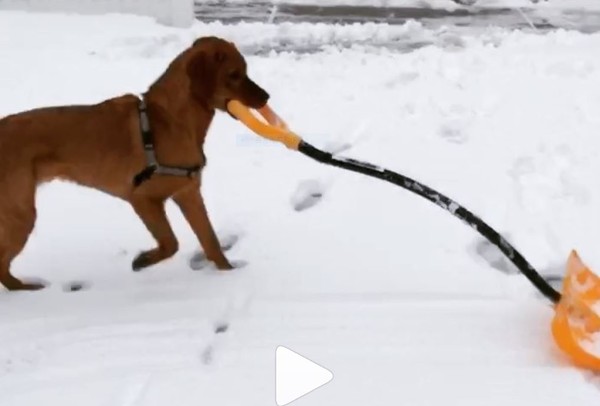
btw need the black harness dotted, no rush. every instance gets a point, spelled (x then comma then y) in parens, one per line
(153, 166)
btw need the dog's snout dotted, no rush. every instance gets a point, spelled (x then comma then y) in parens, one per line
(257, 95)
(263, 94)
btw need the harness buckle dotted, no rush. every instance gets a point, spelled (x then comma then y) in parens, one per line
(153, 167)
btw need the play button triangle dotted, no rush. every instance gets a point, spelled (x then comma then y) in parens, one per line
(296, 376)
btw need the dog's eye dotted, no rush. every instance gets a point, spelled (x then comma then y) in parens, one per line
(235, 76)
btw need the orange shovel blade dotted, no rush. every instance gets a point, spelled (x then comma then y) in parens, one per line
(576, 324)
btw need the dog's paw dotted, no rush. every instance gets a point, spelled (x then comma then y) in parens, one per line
(142, 261)
(30, 284)
(229, 266)
(228, 241)
(199, 262)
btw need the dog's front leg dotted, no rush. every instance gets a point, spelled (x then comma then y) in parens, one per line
(192, 206)
(152, 213)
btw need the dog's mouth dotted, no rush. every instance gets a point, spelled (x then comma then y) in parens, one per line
(251, 103)
(275, 129)
(235, 109)
(257, 100)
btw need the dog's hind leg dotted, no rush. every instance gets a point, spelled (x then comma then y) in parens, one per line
(12, 283)
(152, 213)
(17, 219)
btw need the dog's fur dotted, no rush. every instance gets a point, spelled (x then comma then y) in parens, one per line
(100, 146)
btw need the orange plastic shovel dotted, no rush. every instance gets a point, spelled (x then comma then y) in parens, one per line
(576, 323)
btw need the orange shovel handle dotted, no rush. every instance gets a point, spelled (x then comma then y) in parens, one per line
(271, 132)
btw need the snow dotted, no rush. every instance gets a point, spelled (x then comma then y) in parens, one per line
(381, 287)
(440, 4)
(593, 345)
(178, 13)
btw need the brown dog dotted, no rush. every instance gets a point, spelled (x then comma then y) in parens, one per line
(101, 146)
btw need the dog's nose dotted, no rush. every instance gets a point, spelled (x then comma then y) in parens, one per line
(264, 95)
(258, 91)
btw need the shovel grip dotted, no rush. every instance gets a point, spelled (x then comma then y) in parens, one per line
(270, 132)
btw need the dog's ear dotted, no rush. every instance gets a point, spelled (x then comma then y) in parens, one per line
(201, 71)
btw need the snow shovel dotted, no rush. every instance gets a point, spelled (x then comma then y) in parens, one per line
(576, 323)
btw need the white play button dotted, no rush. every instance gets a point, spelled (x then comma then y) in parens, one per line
(296, 376)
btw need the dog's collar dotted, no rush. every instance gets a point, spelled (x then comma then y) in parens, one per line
(153, 167)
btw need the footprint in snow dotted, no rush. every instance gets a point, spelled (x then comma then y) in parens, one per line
(453, 133)
(228, 241)
(497, 260)
(221, 328)
(494, 257)
(208, 354)
(76, 286)
(308, 193)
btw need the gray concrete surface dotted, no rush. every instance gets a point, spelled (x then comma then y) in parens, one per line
(471, 21)
(511, 18)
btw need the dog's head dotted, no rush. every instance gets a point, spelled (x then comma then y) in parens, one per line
(218, 73)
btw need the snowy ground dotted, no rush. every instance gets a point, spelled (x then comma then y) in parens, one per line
(379, 286)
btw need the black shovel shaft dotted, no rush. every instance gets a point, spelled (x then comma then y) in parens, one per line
(445, 203)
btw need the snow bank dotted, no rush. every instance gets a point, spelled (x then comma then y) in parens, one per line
(442, 4)
(448, 4)
(178, 13)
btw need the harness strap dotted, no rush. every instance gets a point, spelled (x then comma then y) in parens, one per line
(153, 166)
